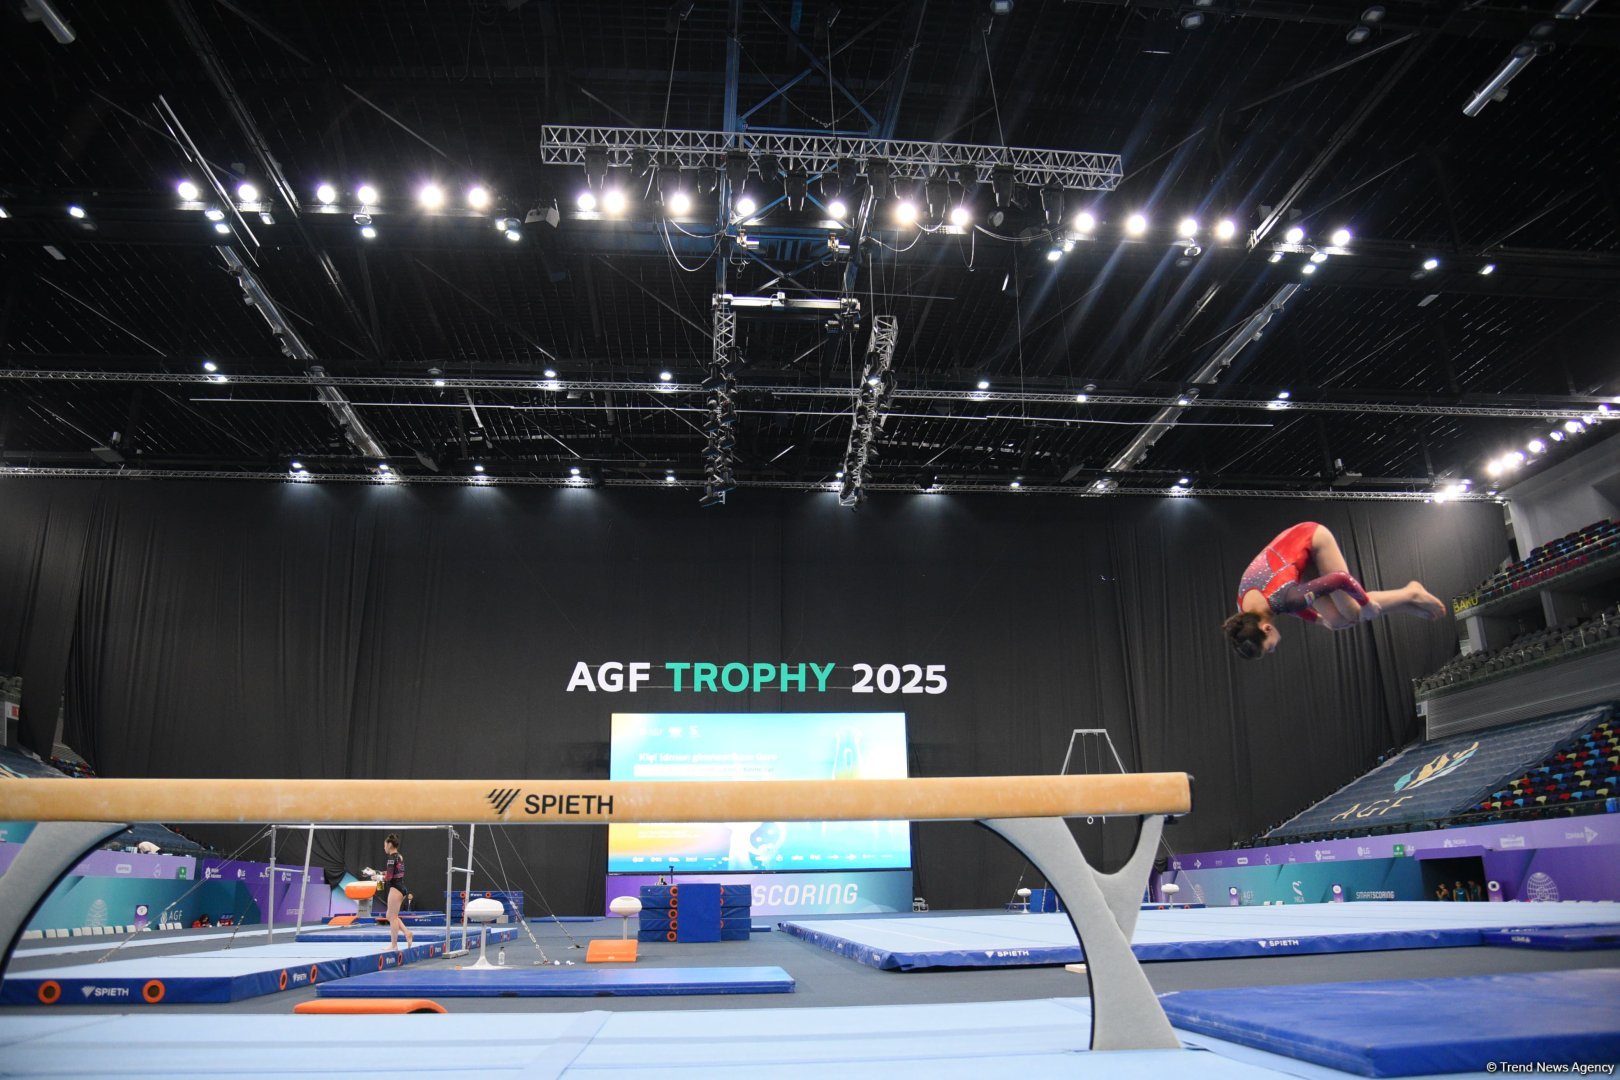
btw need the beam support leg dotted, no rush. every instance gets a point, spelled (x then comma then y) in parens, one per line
(51, 850)
(1125, 1012)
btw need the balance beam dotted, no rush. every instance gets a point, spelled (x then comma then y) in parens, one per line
(578, 802)
(1027, 811)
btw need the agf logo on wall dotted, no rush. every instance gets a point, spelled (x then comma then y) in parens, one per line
(1443, 765)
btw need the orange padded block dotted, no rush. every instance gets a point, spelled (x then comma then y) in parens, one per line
(609, 950)
(368, 1005)
(341, 920)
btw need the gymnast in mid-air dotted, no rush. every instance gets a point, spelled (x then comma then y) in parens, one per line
(1302, 573)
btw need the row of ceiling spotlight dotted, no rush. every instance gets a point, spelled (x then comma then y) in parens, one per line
(1512, 460)
(429, 196)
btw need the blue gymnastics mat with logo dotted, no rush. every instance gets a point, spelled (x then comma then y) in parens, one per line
(1563, 939)
(607, 981)
(1418, 1027)
(913, 943)
(217, 976)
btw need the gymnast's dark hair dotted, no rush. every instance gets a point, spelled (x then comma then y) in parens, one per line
(392, 840)
(1244, 632)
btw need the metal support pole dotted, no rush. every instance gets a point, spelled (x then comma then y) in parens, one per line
(270, 909)
(309, 849)
(449, 869)
(472, 835)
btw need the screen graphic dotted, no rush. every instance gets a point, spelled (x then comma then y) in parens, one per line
(759, 746)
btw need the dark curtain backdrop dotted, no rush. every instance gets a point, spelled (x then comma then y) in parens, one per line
(252, 629)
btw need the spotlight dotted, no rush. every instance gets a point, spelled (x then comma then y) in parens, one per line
(210, 367)
(573, 470)
(188, 191)
(669, 477)
(837, 209)
(247, 192)
(1053, 254)
(366, 231)
(1276, 257)
(961, 216)
(214, 214)
(746, 206)
(326, 194)
(514, 235)
(905, 212)
(707, 181)
(76, 212)
(1192, 20)
(222, 228)
(1373, 15)
(878, 175)
(1188, 228)
(796, 188)
(1487, 269)
(665, 376)
(1283, 395)
(613, 201)
(431, 196)
(1082, 398)
(984, 384)
(550, 373)
(1515, 459)
(1052, 205)
(1225, 229)
(295, 465)
(1574, 427)
(1536, 446)
(595, 167)
(366, 194)
(1003, 184)
(1340, 237)
(1084, 221)
(478, 468)
(1319, 257)
(937, 190)
(1358, 34)
(1431, 264)
(1294, 234)
(1308, 268)
(1136, 224)
(1556, 436)
(478, 197)
(1495, 467)
(586, 201)
(1015, 484)
(679, 202)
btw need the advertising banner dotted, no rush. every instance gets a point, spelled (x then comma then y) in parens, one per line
(829, 893)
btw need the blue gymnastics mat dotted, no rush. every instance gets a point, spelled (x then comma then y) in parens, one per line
(966, 1041)
(1565, 939)
(912, 943)
(423, 934)
(1418, 1026)
(203, 977)
(606, 981)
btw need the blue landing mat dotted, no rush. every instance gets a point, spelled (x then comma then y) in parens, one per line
(911, 943)
(424, 935)
(1034, 1039)
(1567, 939)
(1418, 1026)
(550, 982)
(203, 977)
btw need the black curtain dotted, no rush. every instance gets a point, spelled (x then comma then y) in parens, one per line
(252, 629)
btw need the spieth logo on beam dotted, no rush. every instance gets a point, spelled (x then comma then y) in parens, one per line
(548, 805)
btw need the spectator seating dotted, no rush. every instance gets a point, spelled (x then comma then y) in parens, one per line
(1596, 541)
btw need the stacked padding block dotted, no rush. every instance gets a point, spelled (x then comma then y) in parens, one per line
(696, 911)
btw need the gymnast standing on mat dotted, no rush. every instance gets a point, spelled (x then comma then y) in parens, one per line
(1302, 573)
(393, 886)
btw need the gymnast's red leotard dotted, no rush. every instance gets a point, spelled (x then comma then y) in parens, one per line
(1284, 560)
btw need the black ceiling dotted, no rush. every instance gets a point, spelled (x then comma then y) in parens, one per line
(1400, 379)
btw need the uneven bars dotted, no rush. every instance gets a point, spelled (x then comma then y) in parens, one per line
(517, 802)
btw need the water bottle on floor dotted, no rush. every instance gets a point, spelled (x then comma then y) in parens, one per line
(500, 957)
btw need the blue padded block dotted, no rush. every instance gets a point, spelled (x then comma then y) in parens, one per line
(664, 921)
(562, 982)
(698, 917)
(1416, 1027)
(1562, 939)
